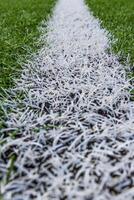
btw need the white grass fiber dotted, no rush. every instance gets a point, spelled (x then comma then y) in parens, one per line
(74, 126)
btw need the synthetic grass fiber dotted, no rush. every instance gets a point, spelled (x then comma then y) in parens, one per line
(71, 136)
(19, 33)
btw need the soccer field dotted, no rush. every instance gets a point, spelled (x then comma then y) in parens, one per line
(67, 119)
(18, 33)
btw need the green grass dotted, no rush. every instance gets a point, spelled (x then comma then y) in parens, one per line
(18, 33)
(117, 16)
(19, 20)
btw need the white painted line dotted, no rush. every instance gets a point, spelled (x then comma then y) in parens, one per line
(76, 122)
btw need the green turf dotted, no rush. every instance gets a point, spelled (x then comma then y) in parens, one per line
(117, 16)
(18, 32)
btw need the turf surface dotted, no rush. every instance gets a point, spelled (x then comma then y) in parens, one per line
(75, 121)
(117, 16)
(18, 33)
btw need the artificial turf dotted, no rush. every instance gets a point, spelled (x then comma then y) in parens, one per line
(117, 16)
(18, 32)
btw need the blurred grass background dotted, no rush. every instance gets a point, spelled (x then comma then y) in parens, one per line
(18, 32)
(117, 16)
(18, 29)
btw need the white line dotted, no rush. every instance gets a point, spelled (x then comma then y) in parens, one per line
(76, 122)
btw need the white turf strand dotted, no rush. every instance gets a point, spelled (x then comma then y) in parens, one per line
(74, 126)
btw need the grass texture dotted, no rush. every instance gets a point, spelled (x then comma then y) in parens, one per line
(18, 33)
(117, 16)
(71, 137)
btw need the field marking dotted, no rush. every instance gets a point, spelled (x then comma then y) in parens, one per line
(76, 122)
